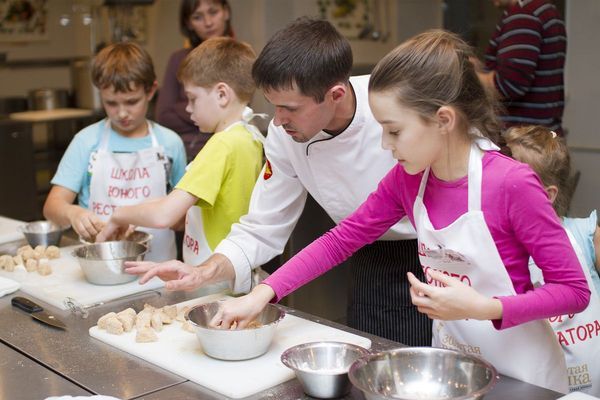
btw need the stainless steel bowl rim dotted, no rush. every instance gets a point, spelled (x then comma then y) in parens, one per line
(74, 252)
(148, 237)
(275, 322)
(56, 227)
(285, 355)
(372, 356)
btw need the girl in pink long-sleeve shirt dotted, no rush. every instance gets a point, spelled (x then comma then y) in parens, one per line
(479, 216)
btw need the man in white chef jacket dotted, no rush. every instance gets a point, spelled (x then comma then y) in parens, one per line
(323, 140)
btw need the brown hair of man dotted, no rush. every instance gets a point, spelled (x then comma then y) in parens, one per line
(431, 70)
(124, 66)
(308, 54)
(220, 59)
(548, 155)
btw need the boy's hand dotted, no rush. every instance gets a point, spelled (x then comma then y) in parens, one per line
(239, 312)
(84, 222)
(453, 301)
(113, 231)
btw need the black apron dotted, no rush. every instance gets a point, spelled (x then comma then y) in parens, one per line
(379, 297)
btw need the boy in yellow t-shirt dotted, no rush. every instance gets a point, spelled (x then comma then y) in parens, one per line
(216, 188)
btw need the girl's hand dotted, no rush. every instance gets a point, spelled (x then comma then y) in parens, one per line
(453, 300)
(239, 312)
(84, 222)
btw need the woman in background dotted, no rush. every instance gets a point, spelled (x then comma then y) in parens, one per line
(199, 20)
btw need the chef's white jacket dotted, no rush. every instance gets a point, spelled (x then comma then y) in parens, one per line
(338, 171)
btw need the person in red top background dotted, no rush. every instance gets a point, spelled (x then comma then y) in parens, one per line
(199, 20)
(524, 63)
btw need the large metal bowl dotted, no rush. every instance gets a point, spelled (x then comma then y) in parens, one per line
(234, 344)
(43, 233)
(422, 373)
(140, 237)
(322, 367)
(102, 263)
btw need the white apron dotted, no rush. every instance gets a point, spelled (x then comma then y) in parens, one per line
(578, 334)
(125, 179)
(466, 250)
(195, 245)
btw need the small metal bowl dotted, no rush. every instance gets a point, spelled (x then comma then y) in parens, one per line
(234, 344)
(322, 367)
(423, 373)
(43, 233)
(102, 263)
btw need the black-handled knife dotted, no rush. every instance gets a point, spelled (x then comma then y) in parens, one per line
(37, 312)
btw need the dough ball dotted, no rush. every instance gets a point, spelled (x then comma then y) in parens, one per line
(44, 267)
(114, 326)
(23, 249)
(156, 321)
(102, 320)
(28, 254)
(171, 311)
(52, 252)
(181, 313)
(186, 326)
(146, 335)
(31, 264)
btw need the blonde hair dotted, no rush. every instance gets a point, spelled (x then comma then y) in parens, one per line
(547, 155)
(123, 66)
(220, 59)
(432, 70)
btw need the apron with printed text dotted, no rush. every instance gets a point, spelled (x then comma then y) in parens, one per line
(466, 251)
(125, 179)
(578, 334)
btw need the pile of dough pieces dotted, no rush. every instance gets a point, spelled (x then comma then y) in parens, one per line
(147, 322)
(31, 259)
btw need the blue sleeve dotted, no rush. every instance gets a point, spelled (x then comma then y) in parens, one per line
(179, 160)
(175, 151)
(72, 170)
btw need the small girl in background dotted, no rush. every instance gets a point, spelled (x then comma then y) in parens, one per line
(578, 334)
(478, 215)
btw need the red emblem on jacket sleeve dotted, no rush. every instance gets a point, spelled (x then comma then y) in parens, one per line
(268, 171)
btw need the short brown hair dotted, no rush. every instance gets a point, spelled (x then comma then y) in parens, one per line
(548, 155)
(220, 59)
(308, 53)
(431, 70)
(123, 66)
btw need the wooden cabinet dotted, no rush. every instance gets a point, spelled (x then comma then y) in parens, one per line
(30, 151)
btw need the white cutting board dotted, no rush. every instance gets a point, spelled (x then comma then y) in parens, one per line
(8, 286)
(179, 351)
(67, 280)
(8, 230)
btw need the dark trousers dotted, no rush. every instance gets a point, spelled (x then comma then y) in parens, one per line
(379, 300)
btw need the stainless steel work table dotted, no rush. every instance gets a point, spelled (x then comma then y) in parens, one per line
(89, 365)
(16, 370)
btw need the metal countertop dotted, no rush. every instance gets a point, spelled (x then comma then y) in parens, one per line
(77, 364)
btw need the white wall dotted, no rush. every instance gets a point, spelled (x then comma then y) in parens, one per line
(582, 101)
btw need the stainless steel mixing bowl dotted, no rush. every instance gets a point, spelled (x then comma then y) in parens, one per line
(322, 367)
(102, 263)
(232, 344)
(422, 373)
(43, 233)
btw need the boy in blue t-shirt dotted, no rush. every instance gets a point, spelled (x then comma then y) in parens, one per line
(122, 160)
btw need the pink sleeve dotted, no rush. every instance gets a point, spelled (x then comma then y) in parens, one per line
(537, 227)
(371, 220)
